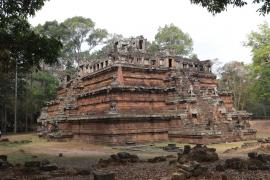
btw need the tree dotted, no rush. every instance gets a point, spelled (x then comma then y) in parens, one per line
(235, 78)
(259, 42)
(18, 38)
(96, 38)
(20, 50)
(73, 33)
(172, 39)
(217, 6)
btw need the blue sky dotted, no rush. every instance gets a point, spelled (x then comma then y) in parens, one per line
(220, 36)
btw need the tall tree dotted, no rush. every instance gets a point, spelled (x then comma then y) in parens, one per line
(173, 39)
(77, 28)
(235, 77)
(74, 33)
(17, 53)
(217, 6)
(259, 42)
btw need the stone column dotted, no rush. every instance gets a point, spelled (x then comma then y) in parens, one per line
(119, 76)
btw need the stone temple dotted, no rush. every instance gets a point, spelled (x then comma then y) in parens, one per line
(133, 96)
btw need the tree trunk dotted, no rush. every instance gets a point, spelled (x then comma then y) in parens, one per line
(5, 120)
(26, 120)
(15, 99)
(2, 118)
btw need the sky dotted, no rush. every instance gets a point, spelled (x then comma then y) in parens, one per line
(215, 37)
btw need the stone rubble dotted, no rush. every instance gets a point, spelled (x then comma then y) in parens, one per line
(200, 153)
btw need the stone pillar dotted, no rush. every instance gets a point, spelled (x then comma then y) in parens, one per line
(119, 76)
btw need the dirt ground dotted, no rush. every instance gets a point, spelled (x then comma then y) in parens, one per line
(79, 155)
(262, 127)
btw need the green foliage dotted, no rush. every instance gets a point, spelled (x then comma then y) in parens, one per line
(251, 83)
(74, 32)
(77, 30)
(96, 38)
(174, 40)
(19, 8)
(20, 46)
(217, 6)
(259, 42)
(43, 86)
(17, 38)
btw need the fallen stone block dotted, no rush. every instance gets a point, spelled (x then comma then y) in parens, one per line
(32, 164)
(186, 173)
(178, 176)
(115, 157)
(3, 157)
(235, 163)
(123, 155)
(49, 167)
(4, 164)
(157, 159)
(199, 171)
(173, 162)
(44, 162)
(220, 168)
(83, 172)
(186, 167)
(187, 149)
(171, 156)
(101, 175)
(252, 155)
(264, 157)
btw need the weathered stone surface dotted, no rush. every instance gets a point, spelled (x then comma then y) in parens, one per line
(264, 140)
(157, 159)
(178, 176)
(131, 96)
(187, 149)
(235, 163)
(49, 167)
(4, 164)
(101, 175)
(252, 155)
(3, 157)
(220, 167)
(202, 154)
(120, 158)
(255, 162)
(44, 162)
(264, 158)
(172, 148)
(192, 168)
(32, 164)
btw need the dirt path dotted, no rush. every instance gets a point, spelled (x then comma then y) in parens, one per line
(69, 149)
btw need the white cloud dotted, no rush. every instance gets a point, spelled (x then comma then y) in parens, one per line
(218, 36)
